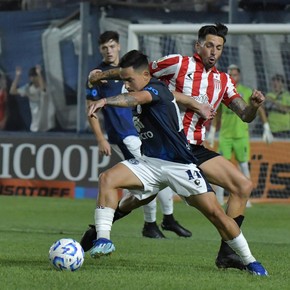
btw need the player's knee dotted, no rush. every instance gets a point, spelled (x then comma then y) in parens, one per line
(105, 180)
(247, 188)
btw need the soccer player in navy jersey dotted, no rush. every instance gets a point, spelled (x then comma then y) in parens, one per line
(167, 160)
(124, 139)
(197, 76)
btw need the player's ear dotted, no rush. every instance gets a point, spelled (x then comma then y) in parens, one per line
(146, 74)
(197, 46)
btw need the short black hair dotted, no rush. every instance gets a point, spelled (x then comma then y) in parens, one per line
(218, 29)
(134, 58)
(107, 36)
(233, 66)
(32, 72)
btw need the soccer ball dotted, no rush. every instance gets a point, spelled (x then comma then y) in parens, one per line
(66, 255)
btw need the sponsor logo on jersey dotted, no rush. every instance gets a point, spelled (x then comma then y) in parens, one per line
(146, 135)
(189, 76)
(92, 92)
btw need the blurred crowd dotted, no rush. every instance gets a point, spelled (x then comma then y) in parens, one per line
(194, 5)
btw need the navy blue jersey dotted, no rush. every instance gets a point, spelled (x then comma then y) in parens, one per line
(118, 121)
(160, 127)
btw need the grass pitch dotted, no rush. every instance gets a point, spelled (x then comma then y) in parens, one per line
(29, 226)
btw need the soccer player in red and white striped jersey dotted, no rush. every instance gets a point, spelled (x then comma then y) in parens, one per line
(198, 77)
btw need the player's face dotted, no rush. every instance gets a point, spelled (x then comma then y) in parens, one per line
(134, 80)
(210, 50)
(34, 80)
(234, 73)
(110, 52)
(277, 86)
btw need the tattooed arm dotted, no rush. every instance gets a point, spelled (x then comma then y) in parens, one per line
(96, 75)
(131, 99)
(247, 112)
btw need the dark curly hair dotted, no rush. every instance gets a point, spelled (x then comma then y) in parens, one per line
(218, 29)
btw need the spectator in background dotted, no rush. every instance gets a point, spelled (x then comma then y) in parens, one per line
(3, 100)
(234, 138)
(35, 90)
(278, 107)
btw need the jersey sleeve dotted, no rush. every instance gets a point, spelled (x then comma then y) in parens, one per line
(165, 67)
(231, 92)
(92, 92)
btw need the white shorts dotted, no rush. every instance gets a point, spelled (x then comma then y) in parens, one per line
(157, 174)
(133, 144)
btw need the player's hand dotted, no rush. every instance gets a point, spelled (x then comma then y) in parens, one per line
(267, 134)
(18, 71)
(38, 69)
(105, 147)
(95, 106)
(257, 98)
(95, 77)
(206, 111)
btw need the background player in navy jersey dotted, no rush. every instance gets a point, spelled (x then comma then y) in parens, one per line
(124, 139)
(166, 161)
(198, 77)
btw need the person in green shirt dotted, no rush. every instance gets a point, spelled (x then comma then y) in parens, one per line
(278, 107)
(234, 137)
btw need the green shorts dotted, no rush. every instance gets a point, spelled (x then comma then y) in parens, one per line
(239, 147)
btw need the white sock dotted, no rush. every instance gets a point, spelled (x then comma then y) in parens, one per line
(165, 196)
(219, 192)
(149, 211)
(244, 166)
(241, 247)
(103, 221)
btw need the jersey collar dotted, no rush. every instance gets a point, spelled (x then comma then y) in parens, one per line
(199, 60)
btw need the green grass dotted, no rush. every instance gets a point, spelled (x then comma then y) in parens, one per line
(29, 226)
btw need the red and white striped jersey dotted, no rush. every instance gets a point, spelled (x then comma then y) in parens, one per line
(187, 75)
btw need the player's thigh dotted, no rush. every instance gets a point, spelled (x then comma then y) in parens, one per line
(242, 150)
(120, 176)
(226, 147)
(222, 172)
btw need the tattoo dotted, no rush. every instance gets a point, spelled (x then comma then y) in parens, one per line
(238, 106)
(123, 100)
(247, 113)
(111, 74)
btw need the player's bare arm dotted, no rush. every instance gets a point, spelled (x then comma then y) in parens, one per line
(131, 99)
(103, 144)
(95, 76)
(277, 106)
(247, 112)
(205, 110)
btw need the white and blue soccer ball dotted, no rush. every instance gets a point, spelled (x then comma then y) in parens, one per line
(66, 255)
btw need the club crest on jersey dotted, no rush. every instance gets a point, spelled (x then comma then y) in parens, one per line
(138, 109)
(216, 82)
(154, 65)
(133, 161)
